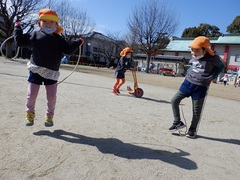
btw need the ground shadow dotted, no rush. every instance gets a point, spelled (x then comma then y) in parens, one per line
(124, 150)
(230, 141)
(155, 100)
(146, 98)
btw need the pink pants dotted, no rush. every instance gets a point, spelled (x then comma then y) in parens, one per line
(32, 93)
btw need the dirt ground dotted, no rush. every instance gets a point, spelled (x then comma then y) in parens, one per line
(100, 136)
(217, 90)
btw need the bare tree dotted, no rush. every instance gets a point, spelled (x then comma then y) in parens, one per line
(16, 11)
(63, 9)
(105, 47)
(75, 22)
(118, 44)
(79, 23)
(150, 26)
(119, 41)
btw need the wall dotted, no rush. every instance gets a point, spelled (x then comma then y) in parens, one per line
(187, 55)
(233, 51)
(219, 49)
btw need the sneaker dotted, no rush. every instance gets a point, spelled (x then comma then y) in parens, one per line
(115, 92)
(29, 120)
(118, 91)
(49, 121)
(178, 126)
(129, 88)
(191, 133)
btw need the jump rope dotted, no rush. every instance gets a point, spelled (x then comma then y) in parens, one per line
(18, 49)
(79, 57)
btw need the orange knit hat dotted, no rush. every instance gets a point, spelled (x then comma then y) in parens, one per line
(202, 42)
(125, 51)
(48, 14)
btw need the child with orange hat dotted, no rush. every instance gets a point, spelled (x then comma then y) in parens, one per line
(205, 66)
(47, 49)
(124, 63)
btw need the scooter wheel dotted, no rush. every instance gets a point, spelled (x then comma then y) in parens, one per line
(138, 92)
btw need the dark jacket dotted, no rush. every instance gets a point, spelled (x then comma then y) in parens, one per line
(47, 50)
(123, 65)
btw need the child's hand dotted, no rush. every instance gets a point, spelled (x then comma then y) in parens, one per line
(82, 41)
(17, 24)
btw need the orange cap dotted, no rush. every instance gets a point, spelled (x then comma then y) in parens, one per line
(202, 42)
(125, 51)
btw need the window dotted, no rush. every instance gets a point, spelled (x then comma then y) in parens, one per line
(237, 58)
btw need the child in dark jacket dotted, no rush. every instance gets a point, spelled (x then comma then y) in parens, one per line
(48, 47)
(205, 66)
(124, 64)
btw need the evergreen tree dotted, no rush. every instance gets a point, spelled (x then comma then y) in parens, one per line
(203, 29)
(234, 27)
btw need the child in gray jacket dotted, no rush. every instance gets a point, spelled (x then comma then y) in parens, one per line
(205, 66)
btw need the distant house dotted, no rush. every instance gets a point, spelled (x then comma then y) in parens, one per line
(96, 50)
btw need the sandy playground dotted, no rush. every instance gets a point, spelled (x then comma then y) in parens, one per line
(100, 136)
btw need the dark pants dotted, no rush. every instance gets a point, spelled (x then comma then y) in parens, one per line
(197, 106)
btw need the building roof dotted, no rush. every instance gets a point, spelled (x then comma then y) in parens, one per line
(181, 44)
(229, 39)
(97, 35)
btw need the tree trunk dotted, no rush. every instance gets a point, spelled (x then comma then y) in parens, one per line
(148, 63)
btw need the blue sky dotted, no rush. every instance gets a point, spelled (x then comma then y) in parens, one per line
(112, 15)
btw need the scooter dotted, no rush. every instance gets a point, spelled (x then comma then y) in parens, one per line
(136, 91)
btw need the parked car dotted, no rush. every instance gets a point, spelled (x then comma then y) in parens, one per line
(168, 71)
